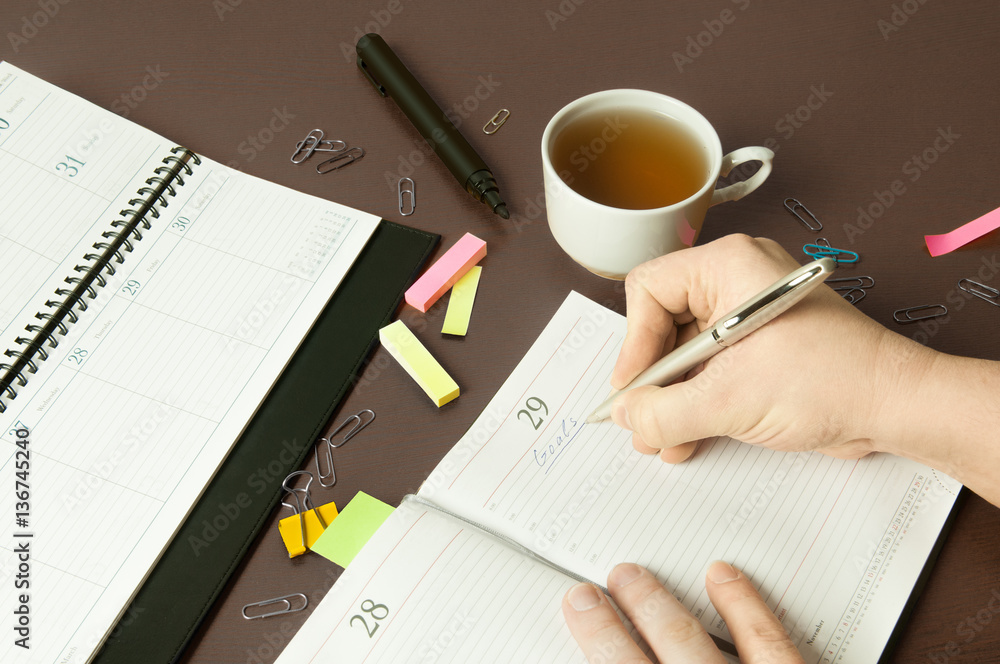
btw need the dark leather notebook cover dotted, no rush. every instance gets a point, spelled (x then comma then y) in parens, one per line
(180, 590)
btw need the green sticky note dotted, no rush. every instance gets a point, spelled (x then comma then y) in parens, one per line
(352, 529)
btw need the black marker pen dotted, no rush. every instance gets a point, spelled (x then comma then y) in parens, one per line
(392, 79)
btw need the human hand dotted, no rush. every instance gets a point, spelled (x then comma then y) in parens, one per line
(818, 377)
(670, 630)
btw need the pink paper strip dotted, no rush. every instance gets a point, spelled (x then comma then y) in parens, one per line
(943, 244)
(686, 233)
(448, 269)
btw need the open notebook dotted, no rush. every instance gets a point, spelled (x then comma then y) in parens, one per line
(149, 299)
(473, 568)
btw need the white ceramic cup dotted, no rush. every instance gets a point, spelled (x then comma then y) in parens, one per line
(611, 241)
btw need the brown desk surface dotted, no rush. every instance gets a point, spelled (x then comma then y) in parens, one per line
(232, 74)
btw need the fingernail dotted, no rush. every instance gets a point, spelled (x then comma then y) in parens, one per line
(624, 574)
(620, 415)
(722, 572)
(584, 597)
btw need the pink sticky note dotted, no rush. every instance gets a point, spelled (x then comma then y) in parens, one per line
(686, 233)
(446, 272)
(943, 244)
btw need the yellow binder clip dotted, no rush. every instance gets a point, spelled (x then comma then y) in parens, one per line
(301, 530)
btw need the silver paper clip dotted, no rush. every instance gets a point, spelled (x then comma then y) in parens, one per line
(314, 142)
(302, 504)
(496, 122)
(852, 295)
(412, 191)
(851, 289)
(359, 424)
(850, 283)
(982, 291)
(348, 157)
(904, 316)
(286, 600)
(813, 225)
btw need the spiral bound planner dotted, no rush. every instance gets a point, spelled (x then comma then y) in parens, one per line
(150, 298)
(88, 277)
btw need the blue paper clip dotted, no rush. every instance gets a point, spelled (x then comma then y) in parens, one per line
(839, 256)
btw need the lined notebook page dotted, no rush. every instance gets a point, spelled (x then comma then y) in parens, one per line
(66, 169)
(834, 546)
(428, 588)
(138, 405)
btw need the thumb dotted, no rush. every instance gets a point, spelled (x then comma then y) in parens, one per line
(670, 419)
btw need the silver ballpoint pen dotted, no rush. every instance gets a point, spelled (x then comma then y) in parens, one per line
(738, 323)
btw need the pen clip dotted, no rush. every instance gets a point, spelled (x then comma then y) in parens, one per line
(774, 300)
(371, 79)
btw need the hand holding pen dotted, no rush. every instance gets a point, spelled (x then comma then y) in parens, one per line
(747, 317)
(813, 378)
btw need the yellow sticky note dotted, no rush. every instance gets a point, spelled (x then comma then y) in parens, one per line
(356, 524)
(291, 528)
(463, 295)
(418, 362)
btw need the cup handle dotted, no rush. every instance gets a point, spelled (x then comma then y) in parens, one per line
(740, 189)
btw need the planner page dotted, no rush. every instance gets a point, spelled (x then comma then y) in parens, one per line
(140, 397)
(834, 546)
(429, 588)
